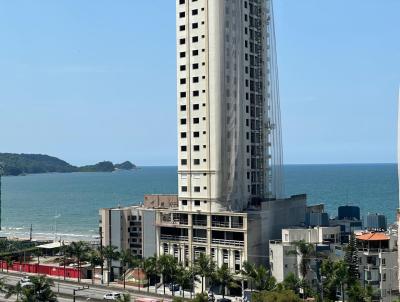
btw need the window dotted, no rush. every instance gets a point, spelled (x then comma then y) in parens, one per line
(195, 12)
(196, 148)
(182, 15)
(183, 134)
(195, 79)
(181, 1)
(182, 54)
(195, 25)
(183, 148)
(196, 120)
(195, 39)
(197, 189)
(183, 121)
(183, 107)
(196, 134)
(182, 27)
(182, 41)
(196, 93)
(197, 203)
(195, 66)
(196, 106)
(184, 202)
(183, 162)
(183, 81)
(196, 161)
(195, 52)
(184, 188)
(183, 94)
(182, 67)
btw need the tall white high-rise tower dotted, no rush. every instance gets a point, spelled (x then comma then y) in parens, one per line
(229, 139)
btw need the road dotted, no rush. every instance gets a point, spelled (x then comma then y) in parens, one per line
(66, 289)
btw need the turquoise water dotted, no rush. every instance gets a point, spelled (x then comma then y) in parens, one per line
(75, 198)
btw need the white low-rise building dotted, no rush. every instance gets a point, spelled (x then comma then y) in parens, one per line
(282, 256)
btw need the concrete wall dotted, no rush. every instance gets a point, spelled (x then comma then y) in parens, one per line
(149, 233)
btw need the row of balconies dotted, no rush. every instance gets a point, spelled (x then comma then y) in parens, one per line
(227, 242)
(176, 220)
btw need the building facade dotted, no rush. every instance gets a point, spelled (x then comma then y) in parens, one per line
(228, 125)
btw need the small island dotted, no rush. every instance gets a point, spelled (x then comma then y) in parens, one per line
(20, 164)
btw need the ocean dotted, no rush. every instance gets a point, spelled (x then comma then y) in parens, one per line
(68, 204)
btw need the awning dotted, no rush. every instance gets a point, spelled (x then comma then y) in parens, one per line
(50, 246)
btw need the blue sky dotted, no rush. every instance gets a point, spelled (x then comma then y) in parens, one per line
(95, 80)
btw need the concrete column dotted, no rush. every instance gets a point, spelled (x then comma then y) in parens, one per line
(190, 237)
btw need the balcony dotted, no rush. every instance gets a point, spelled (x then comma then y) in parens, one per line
(199, 239)
(200, 223)
(236, 225)
(174, 238)
(174, 222)
(220, 224)
(228, 242)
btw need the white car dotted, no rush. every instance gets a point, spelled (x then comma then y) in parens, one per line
(112, 296)
(25, 281)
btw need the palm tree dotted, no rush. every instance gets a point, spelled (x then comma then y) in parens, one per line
(248, 272)
(37, 253)
(64, 249)
(79, 250)
(263, 279)
(150, 269)
(9, 262)
(95, 259)
(110, 253)
(40, 291)
(224, 277)
(167, 265)
(305, 251)
(291, 282)
(126, 259)
(185, 277)
(205, 267)
(124, 298)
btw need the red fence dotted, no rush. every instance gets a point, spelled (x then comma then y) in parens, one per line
(70, 272)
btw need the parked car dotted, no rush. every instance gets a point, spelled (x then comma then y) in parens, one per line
(25, 281)
(173, 287)
(111, 296)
